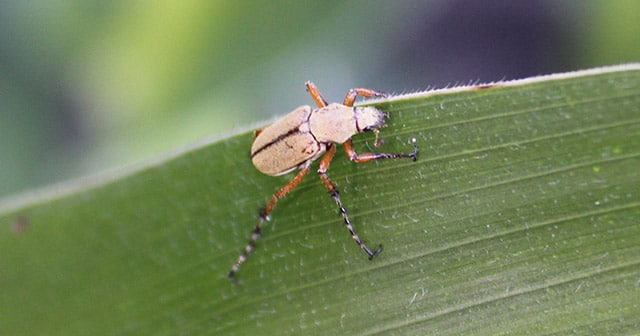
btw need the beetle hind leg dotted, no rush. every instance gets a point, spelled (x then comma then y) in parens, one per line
(264, 216)
(324, 165)
(343, 211)
(257, 232)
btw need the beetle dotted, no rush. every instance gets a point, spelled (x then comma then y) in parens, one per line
(304, 135)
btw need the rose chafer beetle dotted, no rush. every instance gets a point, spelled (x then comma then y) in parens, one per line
(304, 135)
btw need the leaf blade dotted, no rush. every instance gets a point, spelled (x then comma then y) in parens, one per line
(518, 217)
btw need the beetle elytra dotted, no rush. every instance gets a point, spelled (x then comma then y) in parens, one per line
(305, 134)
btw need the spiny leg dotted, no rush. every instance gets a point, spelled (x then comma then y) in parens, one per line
(324, 165)
(264, 215)
(364, 157)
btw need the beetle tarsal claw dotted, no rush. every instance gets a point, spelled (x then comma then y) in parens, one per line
(414, 154)
(375, 252)
(233, 278)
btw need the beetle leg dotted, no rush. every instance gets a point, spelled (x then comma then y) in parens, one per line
(364, 157)
(264, 215)
(377, 141)
(322, 170)
(350, 99)
(256, 133)
(315, 94)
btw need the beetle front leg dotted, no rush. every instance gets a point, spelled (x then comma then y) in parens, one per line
(322, 170)
(315, 94)
(264, 215)
(350, 99)
(365, 157)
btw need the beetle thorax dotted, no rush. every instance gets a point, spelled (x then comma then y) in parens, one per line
(337, 123)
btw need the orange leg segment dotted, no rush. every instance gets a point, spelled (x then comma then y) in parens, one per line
(264, 215)
(350, 99)
(315, 94)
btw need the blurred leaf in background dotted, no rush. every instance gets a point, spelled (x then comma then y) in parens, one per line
(90, 85)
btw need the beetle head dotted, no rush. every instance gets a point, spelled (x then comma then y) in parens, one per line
(368, 118)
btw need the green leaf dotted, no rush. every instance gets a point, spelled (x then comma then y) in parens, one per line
(520, 216)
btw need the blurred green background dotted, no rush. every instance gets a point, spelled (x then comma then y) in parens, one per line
(87, 86)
